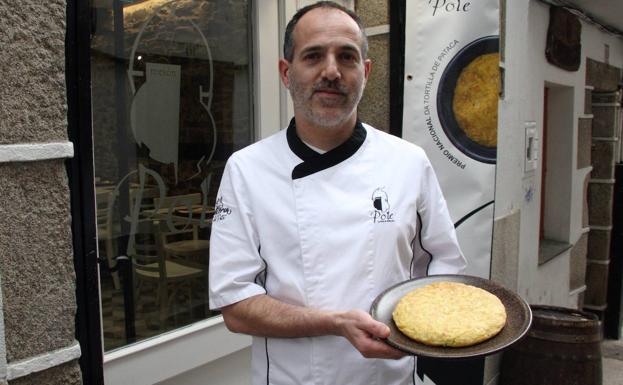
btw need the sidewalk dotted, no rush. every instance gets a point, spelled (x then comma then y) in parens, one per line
(612, 354)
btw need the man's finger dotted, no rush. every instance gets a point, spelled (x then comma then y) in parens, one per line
(380, 349)
(378, 329)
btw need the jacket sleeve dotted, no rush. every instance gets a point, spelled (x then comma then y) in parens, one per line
(235, 261)
(436, 249)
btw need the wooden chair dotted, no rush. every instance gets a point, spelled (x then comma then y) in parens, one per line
(108, 227)
(150, 264)
(179, 237)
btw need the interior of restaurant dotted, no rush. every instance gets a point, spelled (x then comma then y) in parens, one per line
(171, 92)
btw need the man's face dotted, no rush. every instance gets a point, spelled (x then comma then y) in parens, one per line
(327, 74)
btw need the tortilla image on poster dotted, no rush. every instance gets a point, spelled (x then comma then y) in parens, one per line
(462, 122)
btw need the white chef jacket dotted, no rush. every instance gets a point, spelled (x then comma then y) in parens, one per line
(328, 231)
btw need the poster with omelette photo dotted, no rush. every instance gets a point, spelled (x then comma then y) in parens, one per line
(451, 93)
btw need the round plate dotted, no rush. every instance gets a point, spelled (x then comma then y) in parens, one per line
(445, 96)
(518, 318)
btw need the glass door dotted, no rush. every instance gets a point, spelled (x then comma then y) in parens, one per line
(171, 100)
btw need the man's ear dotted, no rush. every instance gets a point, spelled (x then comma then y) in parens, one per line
(367, 67)
(284, 67)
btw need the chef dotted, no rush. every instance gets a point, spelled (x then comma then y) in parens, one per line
(312, 223)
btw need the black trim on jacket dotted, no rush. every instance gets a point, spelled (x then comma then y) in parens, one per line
(313, 161)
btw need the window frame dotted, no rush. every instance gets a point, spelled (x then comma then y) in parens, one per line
(175, 352)
(80, 174)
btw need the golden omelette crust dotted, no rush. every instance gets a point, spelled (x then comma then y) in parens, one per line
(475, 102)
(449, 314)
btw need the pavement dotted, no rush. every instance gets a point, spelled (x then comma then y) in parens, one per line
(612, 361)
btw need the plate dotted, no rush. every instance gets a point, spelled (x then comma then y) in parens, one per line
(518, 318)
(445, 96)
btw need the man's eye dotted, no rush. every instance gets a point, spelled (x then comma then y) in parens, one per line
(348, 57)
(312, 56)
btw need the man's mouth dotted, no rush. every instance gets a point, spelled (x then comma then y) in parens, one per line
(330, 89)
(329, 92)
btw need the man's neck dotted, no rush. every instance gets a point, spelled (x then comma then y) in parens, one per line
(325, 138)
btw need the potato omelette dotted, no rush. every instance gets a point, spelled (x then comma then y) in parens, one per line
(449, 314)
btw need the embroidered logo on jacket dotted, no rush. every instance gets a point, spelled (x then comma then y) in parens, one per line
(380, 202)
(220, 210)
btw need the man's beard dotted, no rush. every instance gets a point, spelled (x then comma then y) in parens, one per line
(329, 114)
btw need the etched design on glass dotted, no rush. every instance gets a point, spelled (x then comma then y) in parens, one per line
(154, 115)
(166, 77)
(155, 109)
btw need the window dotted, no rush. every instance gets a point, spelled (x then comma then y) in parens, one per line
(172, 99)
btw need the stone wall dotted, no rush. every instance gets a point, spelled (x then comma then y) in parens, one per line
(374, 107)
(36, 257)
(602, 82)
(32, 85)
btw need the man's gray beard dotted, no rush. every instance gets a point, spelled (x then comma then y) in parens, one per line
(326, 121)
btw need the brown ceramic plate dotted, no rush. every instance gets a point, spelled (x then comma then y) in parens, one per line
(518, 318)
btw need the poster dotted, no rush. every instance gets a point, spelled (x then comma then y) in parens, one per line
(451, 93)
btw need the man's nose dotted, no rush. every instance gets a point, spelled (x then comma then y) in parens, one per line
(331, 69)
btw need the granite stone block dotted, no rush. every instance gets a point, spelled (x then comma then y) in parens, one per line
(602, 155)
(600, 204)
(505, 250)
(585, 141)
(599, 244)
(374, 106)
(588, 106)
(373, 12)
(596, 284)
(602, 76)
(604, 122)
(36, 258)
(66, 374)
(585, 209)
(32, 85)
(577, 263)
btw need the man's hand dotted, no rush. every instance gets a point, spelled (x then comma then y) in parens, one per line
(364, 333)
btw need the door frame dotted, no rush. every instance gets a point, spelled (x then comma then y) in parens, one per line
(82, 192)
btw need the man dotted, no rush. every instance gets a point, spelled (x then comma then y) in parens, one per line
(314, 222)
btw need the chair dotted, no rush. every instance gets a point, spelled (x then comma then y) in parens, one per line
(172, 228)
(108, 227)
(150, 264)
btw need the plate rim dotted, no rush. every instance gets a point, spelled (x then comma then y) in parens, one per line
(460, 352)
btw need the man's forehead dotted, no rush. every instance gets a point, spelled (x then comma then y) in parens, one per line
(327, 26)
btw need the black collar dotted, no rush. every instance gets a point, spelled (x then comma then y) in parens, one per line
(313, 161)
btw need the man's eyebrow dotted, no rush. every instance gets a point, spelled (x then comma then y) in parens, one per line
(352, 48)
(321, 48)
(313, 48)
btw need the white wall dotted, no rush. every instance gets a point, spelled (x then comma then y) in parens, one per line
(527, 72)
(234, 369)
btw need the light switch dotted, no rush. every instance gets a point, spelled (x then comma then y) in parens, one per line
(531, 153)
